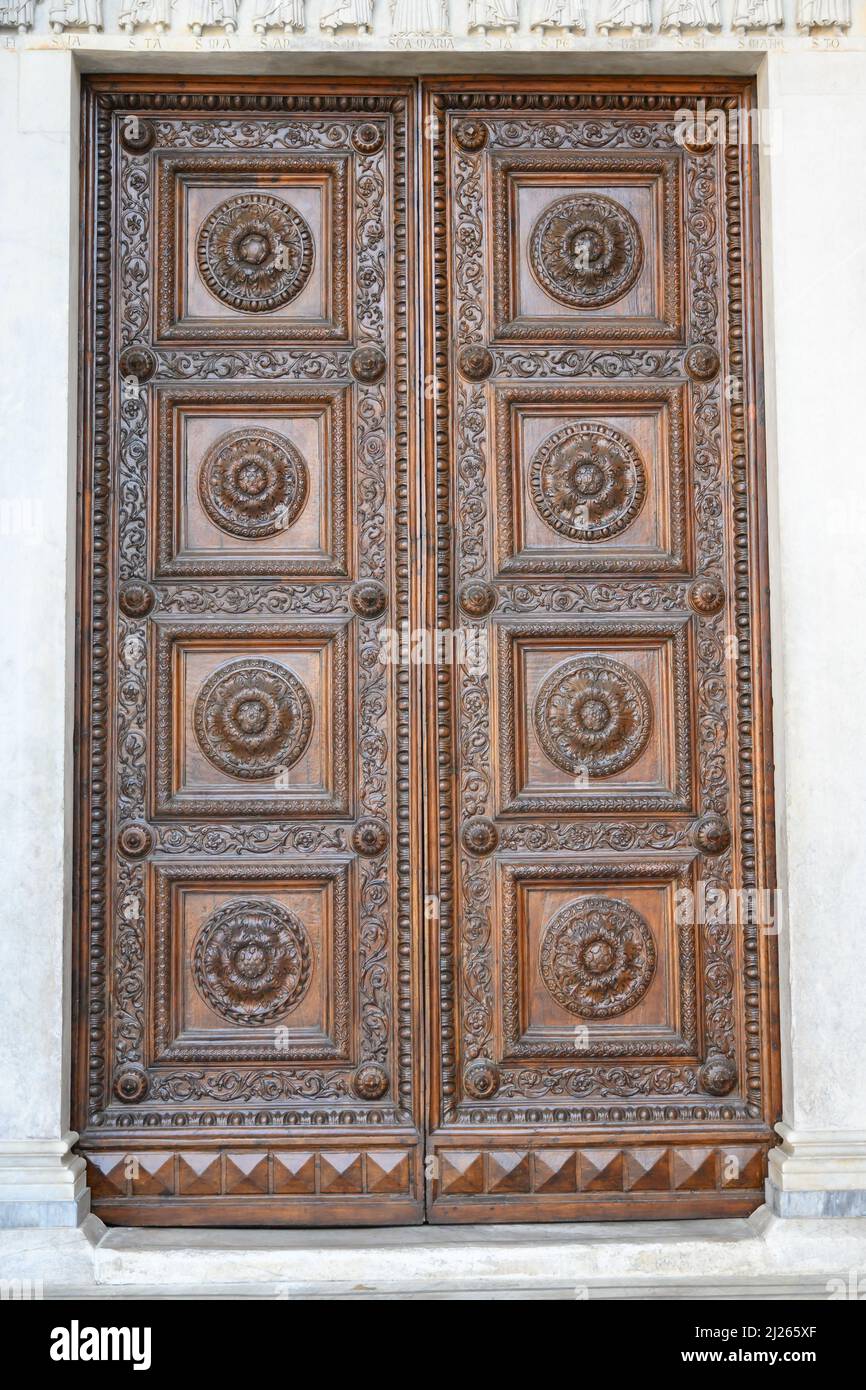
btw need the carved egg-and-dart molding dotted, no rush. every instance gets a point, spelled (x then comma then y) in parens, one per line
(594, 715)
(252, 962)
(587, 481)
(255, 253)
(586, 251)
(598, 957)
(253, 718)
(253, 483)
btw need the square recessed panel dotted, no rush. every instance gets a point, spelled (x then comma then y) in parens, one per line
(251, 962)
(586, 247)
(252, 481)
(594, 716)
(594, 961)
(252, 247)
(590, 480)
(252, 719)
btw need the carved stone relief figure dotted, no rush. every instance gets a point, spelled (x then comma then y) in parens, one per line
(350, 14)
(625, 14)
(493, 14)
(824, 14)
(208, 14)
(420, 17)
(757, 14)
(558, 14)
(275, 14)
(135, 12)
(690, 14)
(76, 14)
(18, 16)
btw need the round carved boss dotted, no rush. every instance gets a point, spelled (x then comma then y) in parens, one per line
(598, 957)
(253, 483)
(252, 962)
(587, 481)
(253, 718)
(586, 251)
(255, 253)
(370, 1082)
(594, 715)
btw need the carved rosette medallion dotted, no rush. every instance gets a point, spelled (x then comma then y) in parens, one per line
(134, 839)
(471, 135)
(136, 599)
(718, 1075)
(131, 1085)
(370, 1082)
(252, 962)
(712, 834)
(702, 362)
(137, 361)
(136, 135)
(587, 481)
(369, 598)
(367, 364)
(479, 836)
(598, 957)
(594, 715)
(253, 483)
(481, 1080)
(707, 595)
(476, 598)
(586, 251)
(370, 837)
(255, 253)
(253, 718)
(368, 138)
(475, 362)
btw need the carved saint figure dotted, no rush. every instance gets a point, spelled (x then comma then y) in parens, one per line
(420, 17)
(558, 14)
(824, 14)
(347, 14)
(494, 14)
(690, 14)
(757, 14)
(625, 14)
(75, 14)
(135, 12)
(18, 16)
(275, 14)
(205, 14)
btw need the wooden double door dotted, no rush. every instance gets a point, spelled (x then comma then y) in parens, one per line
(423, 740)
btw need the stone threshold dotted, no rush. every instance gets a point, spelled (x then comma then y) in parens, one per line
(764, 1256)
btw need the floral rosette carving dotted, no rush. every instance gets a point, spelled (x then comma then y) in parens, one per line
(593, 714)
(255, 253)
(252, 962)
(598, 957)
(253, 718)
(586, 251)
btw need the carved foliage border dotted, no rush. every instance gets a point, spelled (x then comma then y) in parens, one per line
(120, 973)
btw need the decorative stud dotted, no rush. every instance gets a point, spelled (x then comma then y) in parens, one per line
(718, 1075)
(137, 361)
(370, 1082)
(130, 1085)
(481, 1079)
(476, 598)
(135, 839)
(707, 595)
(471, 135)
(369, 598)
(368, 138)
(702, 362)
(479, 836)
(475, 362)
(370, 837)
(136, 599)
(136, 135)
(367, 364)
(712, 834)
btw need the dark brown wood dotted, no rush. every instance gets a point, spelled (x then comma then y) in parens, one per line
(248, 1047)
(293, 858)
(598, 1048)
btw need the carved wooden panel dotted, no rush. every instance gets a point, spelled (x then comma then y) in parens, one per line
(248, 1048)
(603, 1044)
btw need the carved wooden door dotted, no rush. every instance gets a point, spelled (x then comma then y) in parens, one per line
(248, 1042)
(602, 1016)
(293, 1005)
